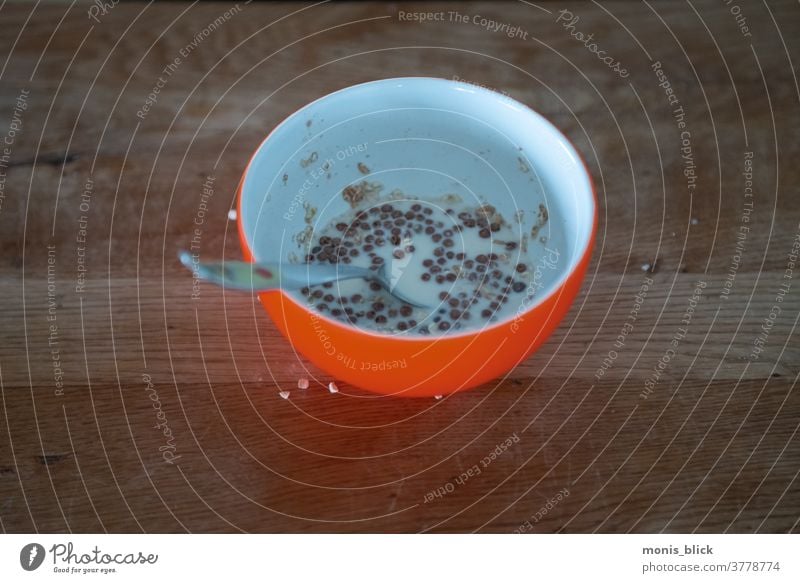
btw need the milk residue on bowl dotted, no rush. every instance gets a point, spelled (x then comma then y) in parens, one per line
(472, 266)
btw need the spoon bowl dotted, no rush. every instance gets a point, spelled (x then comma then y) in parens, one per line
(260, 277)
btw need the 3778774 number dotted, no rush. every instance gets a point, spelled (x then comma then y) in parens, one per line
(747, 566)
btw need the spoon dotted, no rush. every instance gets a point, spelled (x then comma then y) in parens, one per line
(257, 277)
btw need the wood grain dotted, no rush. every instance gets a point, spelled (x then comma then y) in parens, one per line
(712, 448)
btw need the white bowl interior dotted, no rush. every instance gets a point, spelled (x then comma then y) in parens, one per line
(424, 137)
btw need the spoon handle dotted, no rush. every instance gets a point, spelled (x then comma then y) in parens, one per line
(251, 277)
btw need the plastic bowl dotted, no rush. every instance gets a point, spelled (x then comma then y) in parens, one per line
(426, 137)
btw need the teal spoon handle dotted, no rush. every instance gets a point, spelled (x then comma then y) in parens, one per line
(255, 277)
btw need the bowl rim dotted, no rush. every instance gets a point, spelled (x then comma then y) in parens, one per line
(557, 288)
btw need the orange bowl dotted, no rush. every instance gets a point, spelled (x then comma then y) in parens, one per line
(421, 136)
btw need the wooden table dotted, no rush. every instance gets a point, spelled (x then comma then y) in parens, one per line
(101, 185)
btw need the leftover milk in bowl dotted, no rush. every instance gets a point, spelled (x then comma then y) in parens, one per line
(467, 264)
